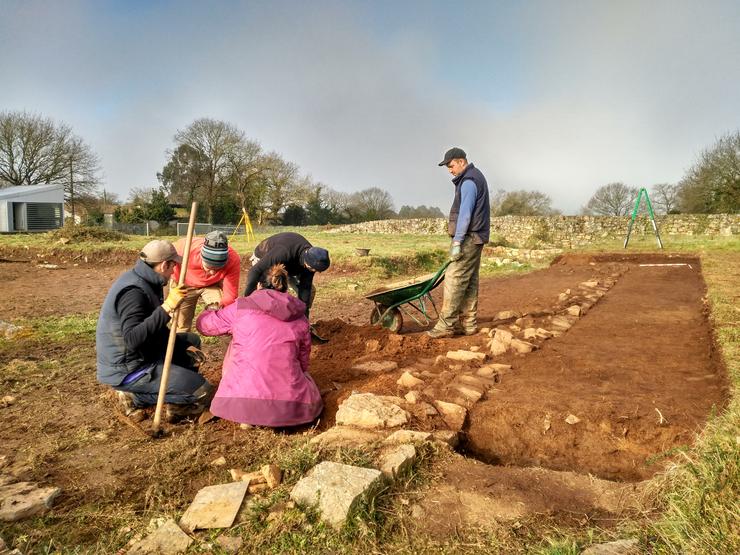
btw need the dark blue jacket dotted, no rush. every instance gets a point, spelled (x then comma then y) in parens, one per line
(144, 340)
(480, 222)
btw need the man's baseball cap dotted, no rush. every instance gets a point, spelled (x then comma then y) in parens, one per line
(158, 251)
(452, 154)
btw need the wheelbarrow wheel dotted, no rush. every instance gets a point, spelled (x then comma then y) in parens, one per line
(392, 321)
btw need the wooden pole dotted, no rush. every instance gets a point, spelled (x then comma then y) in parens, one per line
(173, 325)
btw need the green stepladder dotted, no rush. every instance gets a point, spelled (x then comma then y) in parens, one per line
(634, 215)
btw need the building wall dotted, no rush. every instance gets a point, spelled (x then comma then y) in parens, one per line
(566, 231)
(6, 220)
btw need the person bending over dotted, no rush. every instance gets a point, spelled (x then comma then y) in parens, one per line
(265, 379)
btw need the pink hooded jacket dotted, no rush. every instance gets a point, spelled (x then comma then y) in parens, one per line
(265, 379)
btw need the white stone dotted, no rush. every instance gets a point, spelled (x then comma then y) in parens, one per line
(366, 410)
(449, 437)
(221, 461)
(543, 333)
(465, 356)
(214, 506)
(572, 419)
(589, 284)
(408, 380)
(407, 436)
(168, 539)
(412, 397)
(484, 331)
(503, 336)
(530, 333)
(574, 310)
(376, 366)
(475, 348)
(505, 315)
(273, 475)
(397, 460)
(619, 547)
(497, 348)
(453, 414)
(25, 499)
(336, 489)
(522, 346)
(561, 323)
(340, 436)
(471, 395)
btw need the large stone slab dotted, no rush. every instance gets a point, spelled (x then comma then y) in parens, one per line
(25, 499)
(452, 413)
(337, 489)
(408, 380)
(396, 460)
(465, 356)
(376, 366)
(407, 436)
(215, 506)
(619, 547)
(340, 436)
(168, 539)
(366, 410)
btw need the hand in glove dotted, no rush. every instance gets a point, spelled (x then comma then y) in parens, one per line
(175, 297)
(197, 357)
(455, 252)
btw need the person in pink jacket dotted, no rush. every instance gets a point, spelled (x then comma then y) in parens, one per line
(265, 380)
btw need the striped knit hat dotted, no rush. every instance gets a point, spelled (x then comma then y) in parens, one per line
(215, 251)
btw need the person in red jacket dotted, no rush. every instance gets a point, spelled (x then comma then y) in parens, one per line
(213, 270)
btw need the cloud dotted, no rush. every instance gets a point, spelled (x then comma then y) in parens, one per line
(559, 97)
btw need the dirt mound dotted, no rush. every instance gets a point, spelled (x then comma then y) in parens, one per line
(85, 234)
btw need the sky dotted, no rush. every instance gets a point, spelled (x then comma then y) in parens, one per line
(556, 96)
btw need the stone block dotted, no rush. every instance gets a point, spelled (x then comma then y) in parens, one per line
(503, 336)
(561, 323)
(465, 356)
(408, 380)
(396, 460)
(412, 397)
(453, 414)
(574, 310)
(168, 539)
(530, 333)
(470, 394)
(522, 347)
(507, 315)
(407, 436)
(273, 475)
(214, 506)
(337, 489)
(542, 333)
(497, 348)
(25, 499)
(376, 366)
(340, 436)
(366, 410)
(449, 437)
(619, 547)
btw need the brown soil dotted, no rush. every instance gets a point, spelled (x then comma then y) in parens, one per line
(645, 345)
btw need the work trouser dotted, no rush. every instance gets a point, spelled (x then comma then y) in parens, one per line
(184, 384)
(460, 304)
(210, 295)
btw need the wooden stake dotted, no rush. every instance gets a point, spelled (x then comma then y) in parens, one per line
(173, 326)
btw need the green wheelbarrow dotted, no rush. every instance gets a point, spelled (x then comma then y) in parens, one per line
(396, 299)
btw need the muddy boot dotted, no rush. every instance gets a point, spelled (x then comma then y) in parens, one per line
(174, 413)
(128, 406)
(437, 333)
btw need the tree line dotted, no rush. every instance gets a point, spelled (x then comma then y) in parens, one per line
(215, 163)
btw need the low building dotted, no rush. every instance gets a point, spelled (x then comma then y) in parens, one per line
(31, 208)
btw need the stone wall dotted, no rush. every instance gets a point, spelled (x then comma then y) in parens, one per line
(565, 231)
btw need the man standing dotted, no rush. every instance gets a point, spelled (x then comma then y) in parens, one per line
(469, 225)
(213, 271)
(132, 335)
(300, 259)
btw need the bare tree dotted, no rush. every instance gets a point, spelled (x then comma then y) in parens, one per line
(613, 199)
(280, 179)
(372, 204)
(214, 142)
(665, 197)
(522, 203)
(246, 175)
(35, 150)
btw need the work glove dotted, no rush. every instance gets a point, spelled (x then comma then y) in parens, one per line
(455, 252)
(175, 297)
(197, 357)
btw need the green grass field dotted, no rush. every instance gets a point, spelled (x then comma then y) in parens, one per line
(699, 497)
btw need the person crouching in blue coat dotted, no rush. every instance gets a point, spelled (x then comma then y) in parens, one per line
(132, 335)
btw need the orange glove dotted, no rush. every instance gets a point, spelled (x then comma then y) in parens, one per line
(175, 297)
